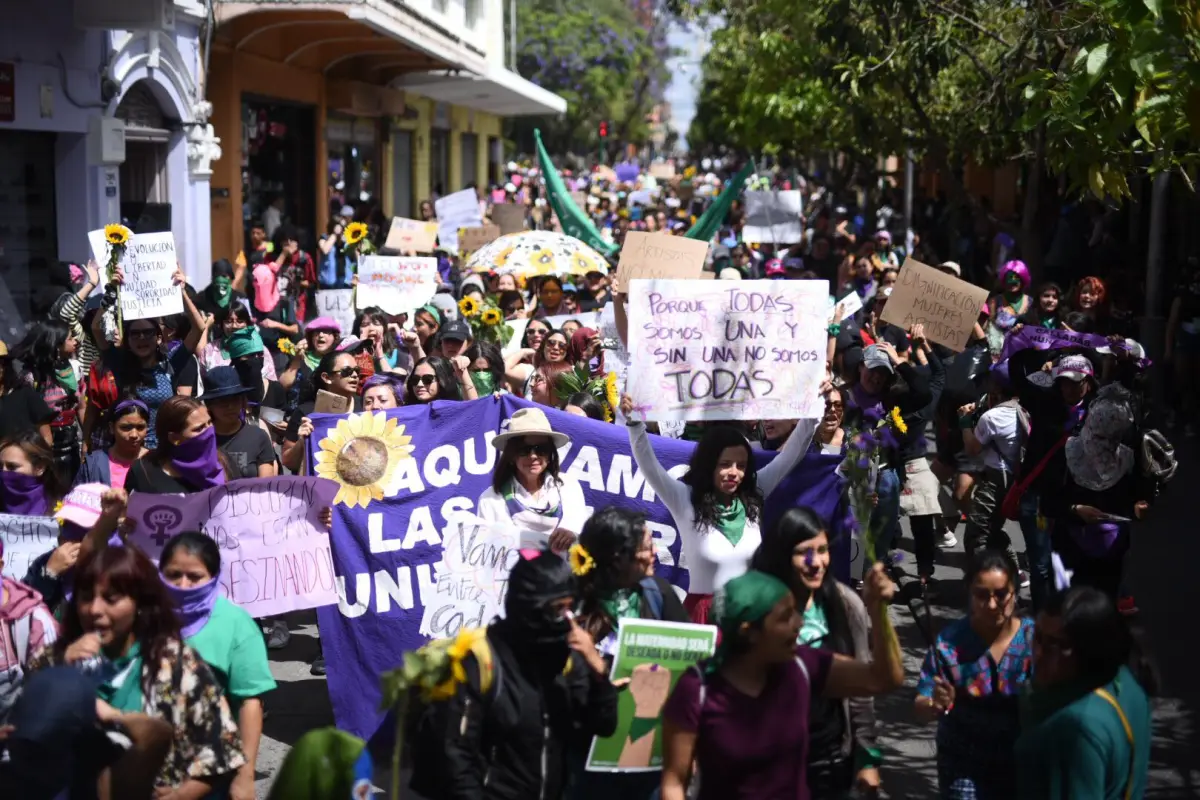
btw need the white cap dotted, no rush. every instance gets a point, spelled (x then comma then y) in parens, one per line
(729, 274)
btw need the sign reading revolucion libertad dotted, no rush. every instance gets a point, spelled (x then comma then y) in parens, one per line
(715, 350)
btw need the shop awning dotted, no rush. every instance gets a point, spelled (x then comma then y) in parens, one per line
(364, 40)
(495, 90)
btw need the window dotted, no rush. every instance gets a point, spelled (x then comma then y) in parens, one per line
(472, 13)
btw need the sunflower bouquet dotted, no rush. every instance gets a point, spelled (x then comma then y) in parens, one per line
(580, 379)
(357, 243)
(117, 237)
(486, 321)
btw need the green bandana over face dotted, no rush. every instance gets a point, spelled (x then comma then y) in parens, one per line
(243, 342)
(485, 382)
(731, 521)
(123, 691)
(746, 598)
(222, 291)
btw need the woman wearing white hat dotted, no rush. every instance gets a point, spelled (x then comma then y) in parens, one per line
(527, 489)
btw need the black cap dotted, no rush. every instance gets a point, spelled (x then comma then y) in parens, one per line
(457, 329)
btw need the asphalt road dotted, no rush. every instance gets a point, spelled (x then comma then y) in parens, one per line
(1161, 572)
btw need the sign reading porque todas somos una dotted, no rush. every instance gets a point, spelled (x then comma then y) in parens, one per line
(947, 306)
(715, 350)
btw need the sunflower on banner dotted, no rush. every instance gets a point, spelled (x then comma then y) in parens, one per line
(117, 237)
(362, 455)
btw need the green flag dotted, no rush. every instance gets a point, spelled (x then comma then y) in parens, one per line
(574, 222)
(706, 227)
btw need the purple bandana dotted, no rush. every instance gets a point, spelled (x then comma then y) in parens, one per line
(193, 606)
(196, 460)
(22, 494)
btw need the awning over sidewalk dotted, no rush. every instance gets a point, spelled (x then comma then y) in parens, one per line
(495, 91)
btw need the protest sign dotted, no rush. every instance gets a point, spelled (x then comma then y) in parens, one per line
(510, 217)
(947, 306)
(24, 539)
(471, 239)
(588, 319)
(650, 256)
(471, 577)
(773, 217)
(717, 350)
(850, 305)
(411, 235)
(396, 284)
(149, 262)
(274, 548)
(440, 461)
(662, 170)
(454, 211)
(338, 304)
(653, 655)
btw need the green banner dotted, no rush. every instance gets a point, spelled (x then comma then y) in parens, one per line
(710, 221)
(653, 655)
(574, 221)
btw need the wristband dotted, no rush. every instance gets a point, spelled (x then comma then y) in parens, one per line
(835, 328)
(966, 422)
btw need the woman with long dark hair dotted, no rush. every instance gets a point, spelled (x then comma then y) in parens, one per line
(528, 488)
(373, 325)
(186, 458)
(1048, 310)
(717, 504)
(224, 635)
(45, 355)
(337, 373)
(487, 368)
(1087, 727)
(971, 680)
(128, 426)
(585, 404)
(220, 350)
(552, 347)
(21, 408)
(29, 483)
(842, 752)
(121, 628)
(436, 378)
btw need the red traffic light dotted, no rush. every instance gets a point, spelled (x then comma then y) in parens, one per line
(603, 129)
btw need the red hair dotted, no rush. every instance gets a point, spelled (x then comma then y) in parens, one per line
(1098, 288)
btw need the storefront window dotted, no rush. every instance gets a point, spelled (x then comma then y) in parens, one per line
(278, 155)
(28, 234)
(439, 162)
(353, 164)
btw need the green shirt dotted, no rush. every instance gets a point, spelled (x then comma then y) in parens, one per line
(233, 646)
(814, 627)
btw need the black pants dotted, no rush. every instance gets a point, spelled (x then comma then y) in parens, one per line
(985, 523)
(925, 529)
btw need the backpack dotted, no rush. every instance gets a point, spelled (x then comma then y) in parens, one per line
(425, 745)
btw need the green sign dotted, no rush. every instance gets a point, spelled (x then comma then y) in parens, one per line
(653, 655)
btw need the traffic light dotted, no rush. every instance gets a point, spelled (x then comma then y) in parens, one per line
(603, 129)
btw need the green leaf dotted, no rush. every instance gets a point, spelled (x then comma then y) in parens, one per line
(1143, 129)
(1155, 7)
(1096, 180)
(1096, 62)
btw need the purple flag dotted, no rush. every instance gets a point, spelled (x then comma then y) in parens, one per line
(1046, 339)
(440, 462)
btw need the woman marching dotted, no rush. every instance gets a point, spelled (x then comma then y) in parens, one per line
(528, 490)
(128, 426)
(718, 502)
(186, 458)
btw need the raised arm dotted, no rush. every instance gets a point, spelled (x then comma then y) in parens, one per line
(643, 453)
(790, 454)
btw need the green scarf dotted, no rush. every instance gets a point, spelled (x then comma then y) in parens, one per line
(746, 598)
(222, 295)
(311, 359)
(242, 342)
(64, 374)
(123, 690)
(485, 382)
(731, 520)
(622, 604)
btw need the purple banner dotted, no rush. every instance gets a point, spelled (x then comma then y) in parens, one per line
(405, 474)
(1046, 339)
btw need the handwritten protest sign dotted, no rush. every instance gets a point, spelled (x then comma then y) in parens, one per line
(24, 539)
(471, 577)
(471, 239)
(849, 305)
(397, 285)
(947, 306)
(510, 217)
(713, 350)
(149, 262)
(653, 655)
(665, 170)
(454, 211)
(411, 235)
(338, 304)
(773, 217)
(651, 255)
(274, 548)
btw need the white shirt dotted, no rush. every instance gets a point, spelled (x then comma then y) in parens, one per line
(997, 429)
(712, 560)
(535, 528)
(272, 218)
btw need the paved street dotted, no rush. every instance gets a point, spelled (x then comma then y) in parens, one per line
(1161, 577)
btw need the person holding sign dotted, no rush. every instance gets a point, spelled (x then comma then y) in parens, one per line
(528, 490)
(742, 717)
(718, 502)
(224, 635)
(337, 373)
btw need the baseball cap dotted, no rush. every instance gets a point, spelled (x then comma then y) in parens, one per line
(457, 329)
(82, 504)
(729, 274)
(774, 268)
(1073, 368)
(875, 357)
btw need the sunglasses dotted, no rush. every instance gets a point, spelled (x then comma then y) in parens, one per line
(540, 449)
(555, 344)
(984, 595)
(425, 380)
(346, 372)
(142, 333)
(834, 407)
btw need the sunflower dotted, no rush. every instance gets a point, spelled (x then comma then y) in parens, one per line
(362, 455)
(116, 235)
(543, 260)
(581, 560)
(582, 263)
(355, 232)
(468, 307)
(610, 391)
(491, 316)
(286, 346)
(463, 644)
(898, 421)
(503, 257)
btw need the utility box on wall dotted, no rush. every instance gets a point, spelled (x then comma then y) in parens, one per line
(106, 141)
(129, 15)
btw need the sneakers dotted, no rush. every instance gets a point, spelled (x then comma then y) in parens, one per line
(278, 635)
(317, 666)
(947, 541)
(1024, 578)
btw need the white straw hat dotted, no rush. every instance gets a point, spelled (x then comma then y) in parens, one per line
(528, 422)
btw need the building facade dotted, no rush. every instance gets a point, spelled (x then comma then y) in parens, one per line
(374, 105)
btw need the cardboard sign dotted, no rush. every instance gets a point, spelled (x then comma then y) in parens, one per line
(455, 211)
(727, 350)
(652, 255)
(773, 217)
(948, 307)
(663, 171)
(396, 284)
(471, 239)
(330, 403)
(338, 304)
(411, 235)
(510, 217)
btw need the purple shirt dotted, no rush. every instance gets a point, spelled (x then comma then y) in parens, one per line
(751, 747)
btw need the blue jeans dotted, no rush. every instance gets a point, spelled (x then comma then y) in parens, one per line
(1037, 549)
(886, 516)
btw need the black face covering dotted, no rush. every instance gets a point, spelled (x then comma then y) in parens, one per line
(533, 585)
(249, 370)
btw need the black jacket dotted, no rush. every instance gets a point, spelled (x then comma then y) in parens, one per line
(1047, 417)
(512, 744)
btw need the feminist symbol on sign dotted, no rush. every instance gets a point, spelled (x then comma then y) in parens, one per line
(160, 518)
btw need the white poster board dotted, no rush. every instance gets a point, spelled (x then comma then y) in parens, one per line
(454, 211)
(727, 350)
(773, 217)
(25, 538)
(337, 304)
(149, 262)
(470, 590)
(396, 284)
